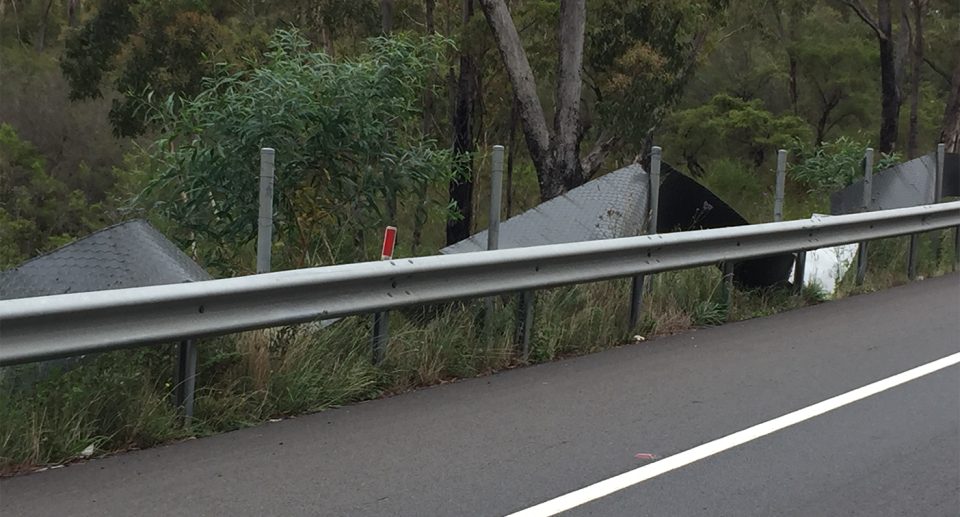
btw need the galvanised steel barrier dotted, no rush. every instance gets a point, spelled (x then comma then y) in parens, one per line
(49, 327)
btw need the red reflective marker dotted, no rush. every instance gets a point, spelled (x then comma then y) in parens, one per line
(389, 240)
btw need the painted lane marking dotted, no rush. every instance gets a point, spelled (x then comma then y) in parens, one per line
(652, 470)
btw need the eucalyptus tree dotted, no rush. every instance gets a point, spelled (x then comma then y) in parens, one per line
(636, 56)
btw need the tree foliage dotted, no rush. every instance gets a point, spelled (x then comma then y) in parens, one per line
(730, 126)
(37, 212)
(831, 166)
(346, 139)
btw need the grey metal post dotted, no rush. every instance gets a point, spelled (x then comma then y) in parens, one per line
(867, 198)
(493, 227)
(799, 269)
(636, 285)
(938, 181)
(781, 179)
(956, 248)
(912, 256)
(381, 321)
(525, 323)
(655, 160)
(265, 219)
(186, 378)
(496, 189)
(938, 197)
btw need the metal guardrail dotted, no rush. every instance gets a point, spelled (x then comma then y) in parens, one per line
(35, 329)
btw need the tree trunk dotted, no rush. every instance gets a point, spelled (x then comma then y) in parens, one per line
(511, 152)
(915, 86)
(327, 40)
(566, 171)
(386, 16)
(461, 188)
(889, 94)
(903, 47)
(556, 157)
(950, 128)
(72, 12)
(42, 25)
(428, 96)
(426, 129)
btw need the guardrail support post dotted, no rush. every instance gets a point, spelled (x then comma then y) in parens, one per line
(524, 323)
(867, 198)
(186, 378)
(493, 227)
(265, 218)
(636, 286)
(956, 248)
(381, 332)
(799, 269)
(728, 287)
(912, 256)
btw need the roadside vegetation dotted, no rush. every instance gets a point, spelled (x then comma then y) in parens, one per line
(112, 110)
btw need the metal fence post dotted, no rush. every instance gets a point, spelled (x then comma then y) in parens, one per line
(186, 378)
(867, 198)
(800, 261)
(938, 197)
(938, 180)
(781, 179)
(265, 219)
(636, 284)
(493, 227)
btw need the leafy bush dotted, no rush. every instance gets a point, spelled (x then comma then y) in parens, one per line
(346, 135)
(832, 166)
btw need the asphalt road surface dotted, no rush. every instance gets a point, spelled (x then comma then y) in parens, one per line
(851, 407)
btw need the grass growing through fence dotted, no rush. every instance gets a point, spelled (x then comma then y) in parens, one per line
(121, 400)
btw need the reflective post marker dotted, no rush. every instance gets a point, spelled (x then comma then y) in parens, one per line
(381, 320)
(389, 241)
(867, 198)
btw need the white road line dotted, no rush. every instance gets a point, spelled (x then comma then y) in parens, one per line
(633, 477)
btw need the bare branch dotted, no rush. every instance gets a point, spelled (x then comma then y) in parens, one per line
(864, 13)
(606, 144)
(937, 69)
